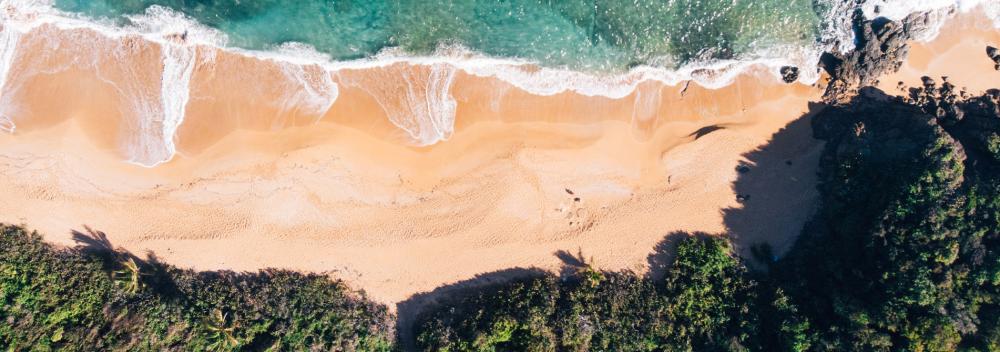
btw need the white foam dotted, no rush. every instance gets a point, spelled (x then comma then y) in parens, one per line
(315, 92)
(646, 105)
(175, 91)
(418, 101)
(939, 11)
(162, 24)
(899, 9)
(8, 46)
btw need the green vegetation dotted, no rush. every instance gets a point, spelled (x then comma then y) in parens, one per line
(92, 298)
(605, 311)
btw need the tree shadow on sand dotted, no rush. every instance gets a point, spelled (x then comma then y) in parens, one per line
(154, 270)
(776, 185)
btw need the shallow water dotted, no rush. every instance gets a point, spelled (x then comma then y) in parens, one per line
(608, 35)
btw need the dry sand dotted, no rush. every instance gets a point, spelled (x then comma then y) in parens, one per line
(521, 178)
(958, 52)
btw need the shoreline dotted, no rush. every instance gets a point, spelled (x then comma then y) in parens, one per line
(158, 30)
(344, 196)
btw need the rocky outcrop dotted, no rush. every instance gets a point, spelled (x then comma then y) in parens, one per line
(789, 74)
(934, 113)
(994, 55)
(881, 46)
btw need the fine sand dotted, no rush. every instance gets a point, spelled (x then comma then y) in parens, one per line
(261, 182)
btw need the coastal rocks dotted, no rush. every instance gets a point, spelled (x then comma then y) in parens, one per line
(994, 55)
(789, 74)
(881, 47)
(974, 121)
(979, 130)
(873, 131)
(940, 102)
(935, 113)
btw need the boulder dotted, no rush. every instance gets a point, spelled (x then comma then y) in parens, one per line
(789, 74)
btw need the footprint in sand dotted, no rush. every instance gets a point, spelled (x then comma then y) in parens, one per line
(573, 208)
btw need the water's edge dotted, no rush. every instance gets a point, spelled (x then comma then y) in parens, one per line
(427, 112)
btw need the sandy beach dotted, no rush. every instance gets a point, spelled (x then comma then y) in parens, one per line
(340, 189)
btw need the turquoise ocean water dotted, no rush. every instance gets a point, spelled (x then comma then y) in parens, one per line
(583, 35)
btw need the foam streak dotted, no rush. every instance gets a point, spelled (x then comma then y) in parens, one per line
(8, 47)
(178, 64)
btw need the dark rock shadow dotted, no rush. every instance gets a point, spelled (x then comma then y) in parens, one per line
(701, 132)
(777, 189)
(408, 312)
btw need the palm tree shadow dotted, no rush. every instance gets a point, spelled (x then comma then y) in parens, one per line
(571, 263)
(155, 272)
(92, 241)
(777, 189)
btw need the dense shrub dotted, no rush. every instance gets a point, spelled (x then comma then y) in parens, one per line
(95, 299)
(705, 302)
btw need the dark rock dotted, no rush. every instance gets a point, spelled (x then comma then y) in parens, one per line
(928, 82)
(789, 74)
(993, 53)
(881, 47)
(742, 197)
(956, 113)
(742, 168)
(941, 113)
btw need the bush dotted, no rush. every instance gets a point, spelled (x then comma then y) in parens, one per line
(77, 299)
(705, 302)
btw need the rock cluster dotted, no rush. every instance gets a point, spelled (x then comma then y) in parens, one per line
(789, 74)
(941, 102)
(972, 120)
(994, 55)
(881, 47)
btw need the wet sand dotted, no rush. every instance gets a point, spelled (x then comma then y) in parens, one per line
(265, 178)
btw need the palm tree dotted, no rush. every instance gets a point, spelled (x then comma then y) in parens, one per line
(128, 278)
(222, 333)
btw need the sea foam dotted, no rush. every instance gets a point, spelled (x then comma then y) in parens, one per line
(418, 100)
(8, 46)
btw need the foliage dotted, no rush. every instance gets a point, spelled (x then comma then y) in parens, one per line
(705, 302)
(898, 256)
(76, 299)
